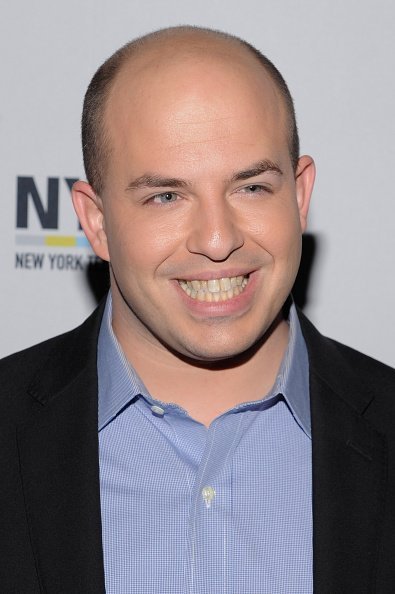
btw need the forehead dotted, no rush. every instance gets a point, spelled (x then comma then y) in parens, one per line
(189, 92)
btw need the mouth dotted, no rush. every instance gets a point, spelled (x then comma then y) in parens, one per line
(216, 289)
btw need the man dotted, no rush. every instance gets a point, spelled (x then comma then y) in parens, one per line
(196, 434)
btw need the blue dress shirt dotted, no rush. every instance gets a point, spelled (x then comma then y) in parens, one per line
(193, 510)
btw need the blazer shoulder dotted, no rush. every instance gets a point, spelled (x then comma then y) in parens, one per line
(56, 359)
(327, 350)
(364, 364)
(345, 369)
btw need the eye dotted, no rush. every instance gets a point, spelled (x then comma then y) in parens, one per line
(255, 189)
(165, 198)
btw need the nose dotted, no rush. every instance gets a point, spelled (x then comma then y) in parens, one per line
(216, 231)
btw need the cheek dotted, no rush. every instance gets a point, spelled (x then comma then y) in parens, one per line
(278, 231)
(140, 244)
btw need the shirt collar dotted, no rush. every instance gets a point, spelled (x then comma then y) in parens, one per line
(293, 376)
(119, 382)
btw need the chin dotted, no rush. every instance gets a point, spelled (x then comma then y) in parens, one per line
(217, 351)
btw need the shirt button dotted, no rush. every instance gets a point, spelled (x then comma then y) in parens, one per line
(157, 410)
(208, 494)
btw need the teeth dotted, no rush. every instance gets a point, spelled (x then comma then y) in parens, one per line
(217, 289)
(213, 285)
(225, 284)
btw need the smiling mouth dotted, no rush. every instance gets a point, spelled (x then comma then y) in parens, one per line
(216, 289)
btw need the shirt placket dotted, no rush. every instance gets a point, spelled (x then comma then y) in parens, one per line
(210, 530)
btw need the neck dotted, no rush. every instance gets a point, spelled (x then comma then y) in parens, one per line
(206, 389)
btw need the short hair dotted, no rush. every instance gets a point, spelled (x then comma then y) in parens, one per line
(96, 147)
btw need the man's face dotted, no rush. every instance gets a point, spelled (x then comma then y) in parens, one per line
(201, 212)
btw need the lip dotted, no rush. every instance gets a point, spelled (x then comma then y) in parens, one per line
(235, 306)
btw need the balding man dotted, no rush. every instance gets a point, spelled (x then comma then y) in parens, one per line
(196, 434)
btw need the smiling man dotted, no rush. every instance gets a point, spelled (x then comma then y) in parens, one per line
(196, 434)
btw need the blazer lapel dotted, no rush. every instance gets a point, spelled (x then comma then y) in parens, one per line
(58, 450)
(349, 474)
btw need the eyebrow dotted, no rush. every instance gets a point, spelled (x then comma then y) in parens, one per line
(151, 180)
(257, 169)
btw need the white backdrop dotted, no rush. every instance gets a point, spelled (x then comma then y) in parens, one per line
(338, 59)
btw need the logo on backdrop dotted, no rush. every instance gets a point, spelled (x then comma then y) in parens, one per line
(48, 235)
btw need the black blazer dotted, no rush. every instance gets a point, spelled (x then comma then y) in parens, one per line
(50, 526)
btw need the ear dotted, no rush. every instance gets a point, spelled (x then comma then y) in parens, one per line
(305, 175)
(89, 209)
